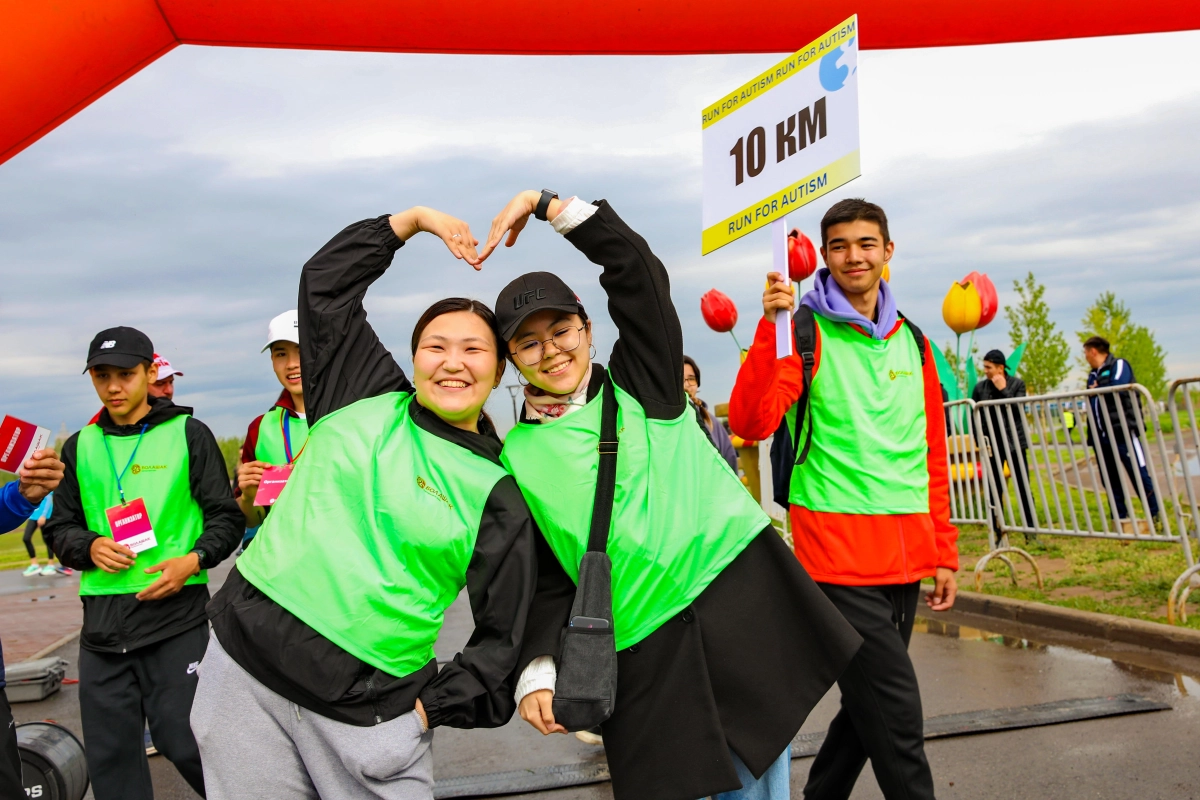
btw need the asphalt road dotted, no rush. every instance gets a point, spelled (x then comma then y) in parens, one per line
(1144, 756)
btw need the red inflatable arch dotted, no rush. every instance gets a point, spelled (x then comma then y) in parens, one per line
(57, 57)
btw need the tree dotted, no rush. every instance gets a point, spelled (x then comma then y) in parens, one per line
(1111, 318)
(1045, 362)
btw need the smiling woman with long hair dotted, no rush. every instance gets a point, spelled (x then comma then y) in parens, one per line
(724, 642)
(320, 679)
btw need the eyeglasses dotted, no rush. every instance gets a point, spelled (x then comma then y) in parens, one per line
(565, 340)
(690, 381)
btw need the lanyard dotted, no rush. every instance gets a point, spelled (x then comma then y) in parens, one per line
(285, 428)
(132, 456)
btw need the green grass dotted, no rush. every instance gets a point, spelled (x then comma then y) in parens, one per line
(1128, 579)
(12, 551)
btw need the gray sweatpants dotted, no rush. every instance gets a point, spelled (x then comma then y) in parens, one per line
(255, 745)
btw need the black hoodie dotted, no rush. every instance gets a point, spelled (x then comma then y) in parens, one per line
(119, 623)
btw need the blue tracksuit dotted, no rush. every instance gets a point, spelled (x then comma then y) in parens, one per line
(1112, 446)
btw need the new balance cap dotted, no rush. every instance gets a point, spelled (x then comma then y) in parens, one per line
(530, 293)
(119, 347)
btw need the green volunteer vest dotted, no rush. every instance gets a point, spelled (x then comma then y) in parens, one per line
(160, 476)
(680, 514)
(369, 542)
(270, 437)
(867, 409)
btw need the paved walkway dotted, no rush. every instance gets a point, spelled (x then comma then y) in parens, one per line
(961, 669)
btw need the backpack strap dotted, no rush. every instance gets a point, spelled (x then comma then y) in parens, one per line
(918, 337)
(606, 476)
(805, 327)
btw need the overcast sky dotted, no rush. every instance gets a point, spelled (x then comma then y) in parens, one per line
(185, 201)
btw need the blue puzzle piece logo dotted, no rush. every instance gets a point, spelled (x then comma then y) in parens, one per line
(833, 76)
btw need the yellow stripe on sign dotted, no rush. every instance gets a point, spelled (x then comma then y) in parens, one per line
(803, 191)
(806, 56)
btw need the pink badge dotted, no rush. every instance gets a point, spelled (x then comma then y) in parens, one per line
(272, 483)
(130, 525)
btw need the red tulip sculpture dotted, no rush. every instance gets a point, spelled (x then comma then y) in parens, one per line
(989, 302)
(720, 313)
(802, 256)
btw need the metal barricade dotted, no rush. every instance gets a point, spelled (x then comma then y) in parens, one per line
(970, 479)
(1100, 477)
(1187, 454)
(968, 482)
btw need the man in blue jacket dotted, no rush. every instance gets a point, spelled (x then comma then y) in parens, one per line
(39, 477)
(1109, 437)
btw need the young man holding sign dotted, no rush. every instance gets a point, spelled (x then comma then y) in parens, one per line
(143, 510)
(275, 438)
(869, 495)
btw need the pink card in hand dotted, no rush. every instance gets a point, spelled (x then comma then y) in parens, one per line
(131, 527)
(272, 483)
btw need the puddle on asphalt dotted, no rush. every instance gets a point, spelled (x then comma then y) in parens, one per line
(1185, 685)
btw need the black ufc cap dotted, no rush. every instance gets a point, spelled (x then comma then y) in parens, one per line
(532, 292)
(119, 347)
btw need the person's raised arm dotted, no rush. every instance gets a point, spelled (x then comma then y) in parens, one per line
(767, 386)
(647, 359)
(341, 358)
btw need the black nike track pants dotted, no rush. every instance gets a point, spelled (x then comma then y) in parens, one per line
(881, 717)
(119, 693)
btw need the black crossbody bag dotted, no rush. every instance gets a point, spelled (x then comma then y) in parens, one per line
(586, 690)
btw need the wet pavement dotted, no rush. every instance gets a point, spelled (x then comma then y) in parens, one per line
(964, 663)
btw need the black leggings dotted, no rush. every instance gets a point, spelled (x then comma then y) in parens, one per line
(30, 527)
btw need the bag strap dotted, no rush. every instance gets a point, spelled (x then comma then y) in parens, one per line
(805, 328)
(918, 337)
(606, 476)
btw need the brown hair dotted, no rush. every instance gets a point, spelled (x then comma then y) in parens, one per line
(852, 210)
(451, 305)
(1098, 343)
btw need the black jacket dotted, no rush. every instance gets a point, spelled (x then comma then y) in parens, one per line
(343, 361)
(741, 667)
(1012, 418)
(119, 623)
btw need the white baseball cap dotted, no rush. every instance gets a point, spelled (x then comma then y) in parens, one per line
(165, 369)
(284, 328)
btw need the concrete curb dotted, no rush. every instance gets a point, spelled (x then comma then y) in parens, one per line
(47, 650)
(1152, 635)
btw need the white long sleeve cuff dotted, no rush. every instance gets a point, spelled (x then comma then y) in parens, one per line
(540, 674)
(568, 219)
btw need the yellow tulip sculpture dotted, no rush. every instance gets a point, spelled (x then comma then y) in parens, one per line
(962, 310)
(962, 307)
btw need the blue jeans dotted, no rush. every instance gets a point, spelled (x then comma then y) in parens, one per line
(775, 784)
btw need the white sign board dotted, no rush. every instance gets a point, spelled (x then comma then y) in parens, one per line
(784, 139)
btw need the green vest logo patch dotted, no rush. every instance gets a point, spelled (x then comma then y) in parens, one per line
(432, 492)
(138, 469)
(899, 373)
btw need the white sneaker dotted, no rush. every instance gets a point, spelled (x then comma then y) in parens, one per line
(588, 737)
(49, 570)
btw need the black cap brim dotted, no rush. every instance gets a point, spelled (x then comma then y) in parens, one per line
(511, 329)
(123, 360)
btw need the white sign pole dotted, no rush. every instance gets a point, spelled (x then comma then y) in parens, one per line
(783, 320)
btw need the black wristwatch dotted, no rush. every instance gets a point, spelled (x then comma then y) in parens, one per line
(201, 554)
(544, 203)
